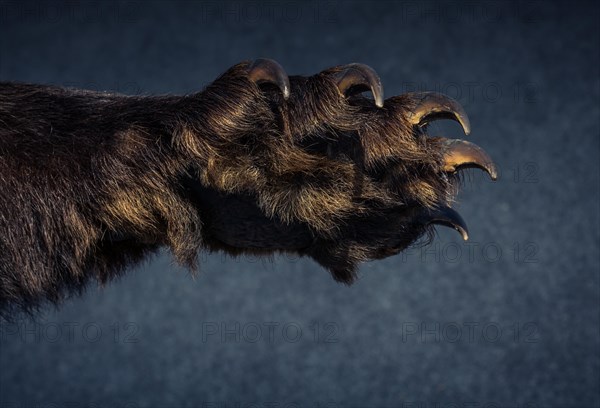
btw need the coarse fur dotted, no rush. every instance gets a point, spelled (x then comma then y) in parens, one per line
(91, 182)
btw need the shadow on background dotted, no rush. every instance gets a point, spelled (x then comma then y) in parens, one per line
(510, 318)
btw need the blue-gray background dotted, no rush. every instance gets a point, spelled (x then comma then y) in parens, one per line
(510, 318)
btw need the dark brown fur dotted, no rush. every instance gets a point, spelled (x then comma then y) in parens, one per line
(93, 182)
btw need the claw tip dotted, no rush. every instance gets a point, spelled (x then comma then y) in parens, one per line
(450, 218)
(465, 123)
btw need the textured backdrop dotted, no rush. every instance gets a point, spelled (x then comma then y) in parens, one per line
(510, 318)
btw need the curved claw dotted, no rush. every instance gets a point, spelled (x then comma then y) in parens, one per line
(448, 217)
(462, 154)
(266, 70)
(434, 105)
(362, 77)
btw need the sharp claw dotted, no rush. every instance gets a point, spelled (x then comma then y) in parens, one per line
(433, 105)
(447, 217)
(266, 70)
(462, 154)
(362, 77)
